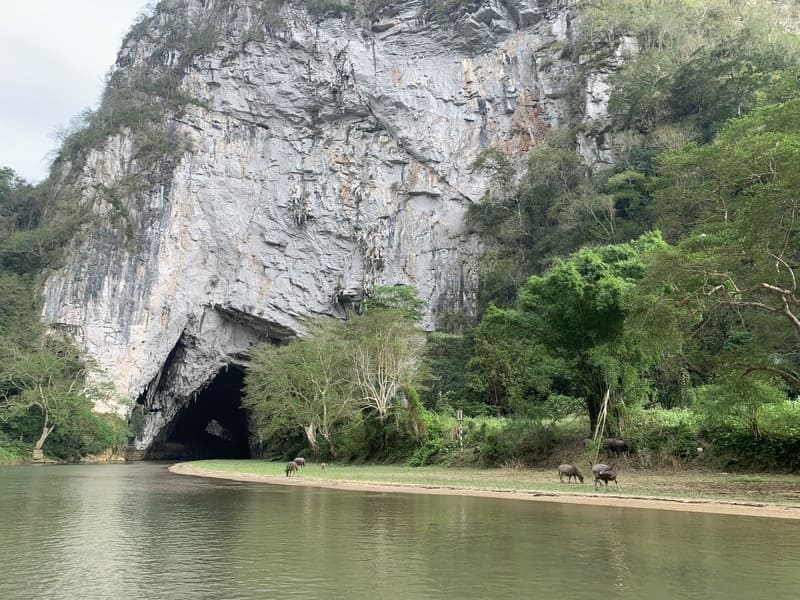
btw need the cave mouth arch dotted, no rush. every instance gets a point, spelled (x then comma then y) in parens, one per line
(212, 425)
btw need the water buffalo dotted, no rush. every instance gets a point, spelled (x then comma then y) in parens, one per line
(617, 445)
(605, 474)
(570, 472)
(291, 468)
(301, 462)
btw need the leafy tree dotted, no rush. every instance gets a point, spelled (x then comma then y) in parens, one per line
(641, 92)
(551, 212)
(384, 350)
(19, 324)
(576, 312)
(508, 370)
(679, 26)
(34, 224)
(402, 299)
(19, 208)
(724, 80)
(323, 381)
(741, 193)
(445, 357)
(696, 64)
(732, 278)
(48, 380)
(490, 370)
(303, 383)
(44, 399)
(733, 402)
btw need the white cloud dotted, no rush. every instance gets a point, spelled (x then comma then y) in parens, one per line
(55, 58)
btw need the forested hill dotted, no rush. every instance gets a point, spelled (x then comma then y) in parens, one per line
(635, 274)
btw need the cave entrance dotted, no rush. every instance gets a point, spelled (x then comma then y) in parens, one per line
(213, 425)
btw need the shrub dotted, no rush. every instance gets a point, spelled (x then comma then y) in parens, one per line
(328, 8)
(424, 454)
(663, 436)
(739, 449)
(514, 441)
(87, 432)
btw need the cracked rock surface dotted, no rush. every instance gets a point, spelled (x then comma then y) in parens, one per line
(322, 158)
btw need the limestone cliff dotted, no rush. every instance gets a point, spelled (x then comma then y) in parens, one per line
(318, 155)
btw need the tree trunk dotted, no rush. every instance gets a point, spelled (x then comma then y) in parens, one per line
(329, 443)
(593, 408)
(38, 453)
(311, 436)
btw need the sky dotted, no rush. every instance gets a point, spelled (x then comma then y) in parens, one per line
(54, 56)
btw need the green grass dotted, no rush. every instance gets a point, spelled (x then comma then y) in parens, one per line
(9, 457)
(677, 484)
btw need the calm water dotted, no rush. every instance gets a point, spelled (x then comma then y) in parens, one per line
(138, 532)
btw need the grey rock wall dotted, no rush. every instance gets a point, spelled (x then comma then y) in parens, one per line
(329, 157)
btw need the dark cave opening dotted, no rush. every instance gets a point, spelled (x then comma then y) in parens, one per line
(213, 425)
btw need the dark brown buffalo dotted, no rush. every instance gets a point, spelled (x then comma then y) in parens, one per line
(605, 474)
(617, 445)
(570, 472)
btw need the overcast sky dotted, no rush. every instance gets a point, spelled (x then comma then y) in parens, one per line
(54, 57)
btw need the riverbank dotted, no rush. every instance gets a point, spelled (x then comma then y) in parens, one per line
(775, 496)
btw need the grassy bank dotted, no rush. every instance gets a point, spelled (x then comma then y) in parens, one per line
(681, 485)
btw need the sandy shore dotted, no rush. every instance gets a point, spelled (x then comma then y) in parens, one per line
(705, 506)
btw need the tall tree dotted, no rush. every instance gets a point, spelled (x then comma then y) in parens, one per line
(741, 198)
(384, 349)
(576, 313)
(49, 379)
(303, 383)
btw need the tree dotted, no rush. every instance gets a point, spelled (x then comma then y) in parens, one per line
(445, 357)
(18, 206)
(695, 64)
(727, 79)
(743, 190)
(402, 299)
(640, 93)
(733, 402)
(508, 369)
(732, 278)
(576, 313)
(490, 370)
(384, 350)
(551, 211)
(49, 380)
(303, 383)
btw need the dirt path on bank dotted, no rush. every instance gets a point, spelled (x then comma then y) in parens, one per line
(606, 499)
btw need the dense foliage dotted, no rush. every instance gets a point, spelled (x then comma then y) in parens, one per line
(655, 300)
(708, 326)
(44, 402)
(344, 376)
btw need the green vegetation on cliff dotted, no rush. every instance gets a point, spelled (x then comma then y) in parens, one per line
(45, 405)
(704, 120)
(655, 300)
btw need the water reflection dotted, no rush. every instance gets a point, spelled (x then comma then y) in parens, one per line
(137, 531)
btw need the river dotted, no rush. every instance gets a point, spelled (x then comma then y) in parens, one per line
(136, 531)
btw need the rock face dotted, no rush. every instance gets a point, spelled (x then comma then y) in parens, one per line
(322, 155)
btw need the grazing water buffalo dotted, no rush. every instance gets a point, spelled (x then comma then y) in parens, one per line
(291, 468)
(570, 472)
(605, 474)
(301, 462)
(617, 445)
